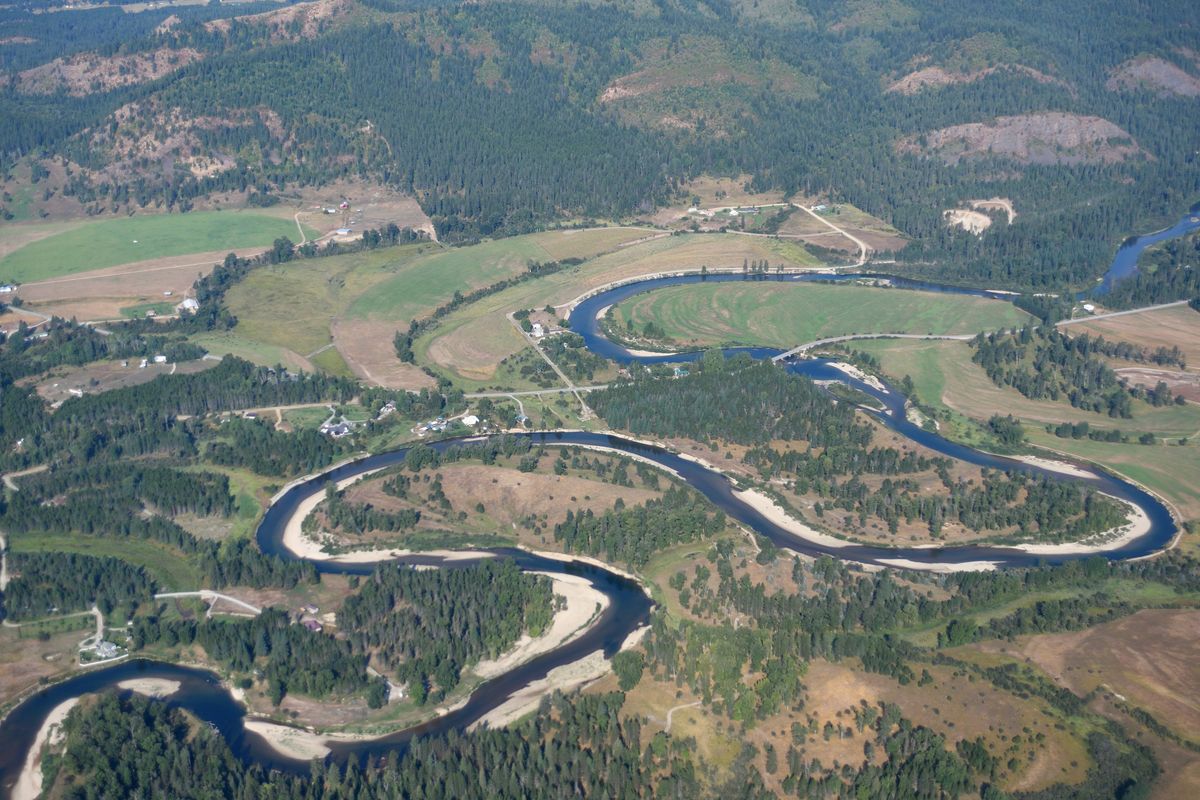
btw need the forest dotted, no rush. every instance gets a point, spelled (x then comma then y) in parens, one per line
(428, 626)
(509, 127)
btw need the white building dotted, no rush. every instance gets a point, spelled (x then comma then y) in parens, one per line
(538, 330)
(190, 305)
(470, 420)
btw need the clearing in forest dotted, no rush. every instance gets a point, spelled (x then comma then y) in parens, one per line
(111, 242)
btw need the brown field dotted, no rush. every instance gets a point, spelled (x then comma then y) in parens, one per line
(100, 294)
(1178, 326)
(11, 319)
(23, 662)
(101, 376)
(509, 497)
(372, 206)
(1150, 658)
(714, 191)
(953, 705)
(1180, 383)
(367, 349)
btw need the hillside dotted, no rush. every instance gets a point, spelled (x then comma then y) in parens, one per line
(502, 117)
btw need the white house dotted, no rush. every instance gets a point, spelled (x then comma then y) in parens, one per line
(538, 330)
(160, 359)
(1089, 308)
(470, 420)
(190, 305)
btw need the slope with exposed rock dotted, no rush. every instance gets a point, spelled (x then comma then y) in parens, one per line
(1045, 138)
(1150, 73)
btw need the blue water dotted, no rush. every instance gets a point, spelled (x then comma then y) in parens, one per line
(202, 694)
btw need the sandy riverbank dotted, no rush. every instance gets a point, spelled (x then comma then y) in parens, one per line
(1061, 467)
(290, 742)
(777, 515)
(157, 688)
(29, 784)
(584, 602)
(858, 374)
(1137, 526)
(563, 679)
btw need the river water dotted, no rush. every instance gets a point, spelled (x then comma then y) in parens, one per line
(629, 608)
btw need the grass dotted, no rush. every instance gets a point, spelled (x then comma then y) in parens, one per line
(469, 343)
(237, 344)
(291, 306)
(783, 315)
(946, 379)
(111, 242)
(139, 311)
(170, 568)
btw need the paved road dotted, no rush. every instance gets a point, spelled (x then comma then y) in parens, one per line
(1112, 314)
(963, 337)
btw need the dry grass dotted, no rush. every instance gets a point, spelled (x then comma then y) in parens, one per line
(368, 351)
(23, 662)
(101, 376)
(1149, 658)
(953, 705)
(1178, 326)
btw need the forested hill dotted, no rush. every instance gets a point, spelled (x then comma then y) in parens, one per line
(501, 116)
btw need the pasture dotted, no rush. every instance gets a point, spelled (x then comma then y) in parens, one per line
(470, 342)
(784, 315)
(112, 242)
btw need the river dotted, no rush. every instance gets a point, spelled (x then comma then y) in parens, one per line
(629, 608)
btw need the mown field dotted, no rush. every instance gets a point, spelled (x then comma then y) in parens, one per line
(112, 242)
(784, 315)
(469, 343)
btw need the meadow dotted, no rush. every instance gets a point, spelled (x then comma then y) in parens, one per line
(112, 242)
(784, 315)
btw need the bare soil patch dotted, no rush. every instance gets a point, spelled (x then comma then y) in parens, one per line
(972, 221)
(1043, 138)
(367, 349)
(936, 77)
(1153, 74)
(300, 21)
(87, 73)
(102, 376)
(372, 206)
(1180, 383)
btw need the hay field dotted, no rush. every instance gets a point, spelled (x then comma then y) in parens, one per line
(784, 315)
(473, 340)
(112, 242)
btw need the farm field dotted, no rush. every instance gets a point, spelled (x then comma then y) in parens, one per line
(172, 570)
(1178, 326)
(470, 342)
(945, 377)
(784, 315)
(111, 242)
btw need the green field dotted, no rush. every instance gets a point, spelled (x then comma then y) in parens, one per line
(170, 568)
(111, 242)
(784, 315)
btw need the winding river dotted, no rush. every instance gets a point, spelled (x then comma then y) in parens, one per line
(629, 608)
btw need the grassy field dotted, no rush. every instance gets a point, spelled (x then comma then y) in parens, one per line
(784, 315)
(111, 242)
(469, 343)
(946, 379)
(170, 568)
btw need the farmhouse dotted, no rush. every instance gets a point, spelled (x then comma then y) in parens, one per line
(470, 420)
(538, 330)
(190, 305)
